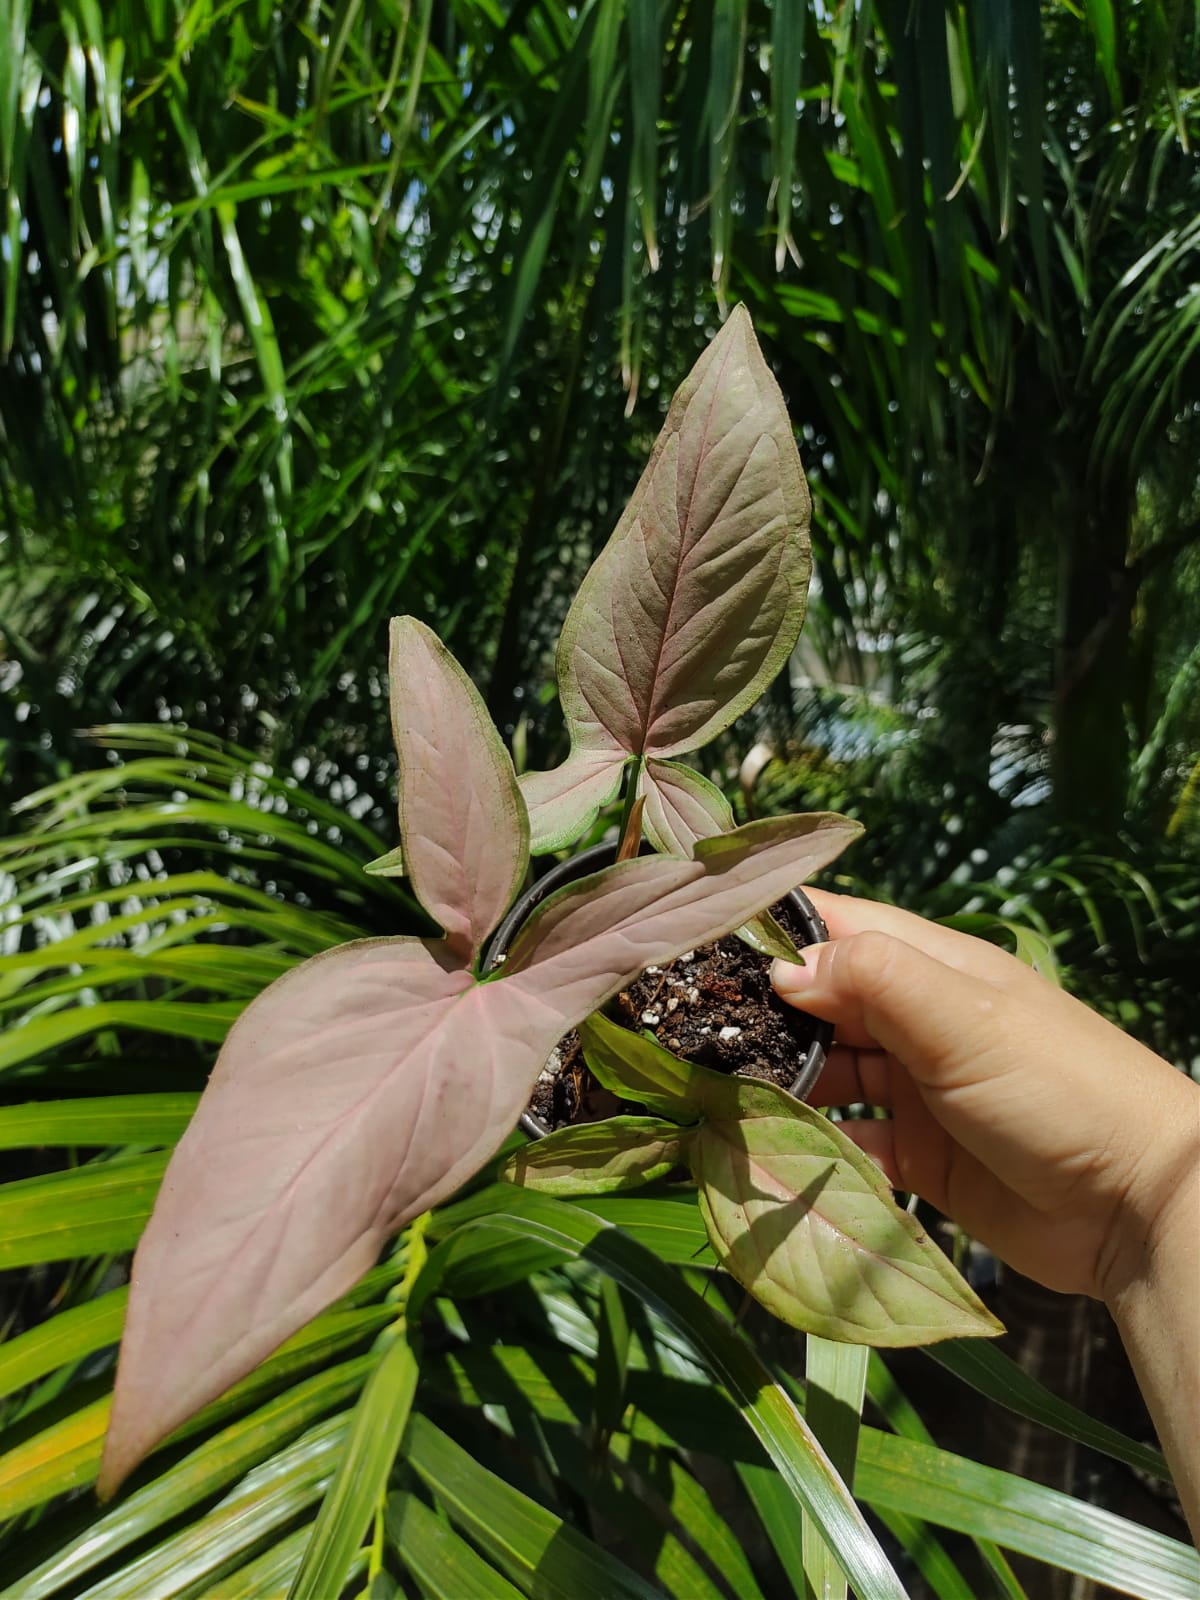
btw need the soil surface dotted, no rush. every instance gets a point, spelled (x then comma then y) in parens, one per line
(714, 1006)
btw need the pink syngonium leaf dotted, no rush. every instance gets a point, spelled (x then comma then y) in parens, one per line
(696, 601)
(464, 830)
(366, 1086)
(681, 807)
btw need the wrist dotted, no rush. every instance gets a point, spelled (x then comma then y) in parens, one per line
(1156, 1223)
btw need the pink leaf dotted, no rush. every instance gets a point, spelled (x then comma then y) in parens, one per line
(281, 1192)
(697, 599)
(563, 803)
(366, 1086)
(681, 807)
(581, 944)
(463, 825)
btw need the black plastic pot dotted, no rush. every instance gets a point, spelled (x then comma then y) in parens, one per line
(813, 929)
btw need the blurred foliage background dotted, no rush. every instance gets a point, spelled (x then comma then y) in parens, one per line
(315, 313)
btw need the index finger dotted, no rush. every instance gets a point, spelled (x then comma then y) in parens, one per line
(845, 914)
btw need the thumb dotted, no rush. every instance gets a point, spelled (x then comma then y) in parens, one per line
(944, 1024)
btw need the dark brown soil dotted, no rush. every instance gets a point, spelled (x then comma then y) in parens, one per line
(714, 1006)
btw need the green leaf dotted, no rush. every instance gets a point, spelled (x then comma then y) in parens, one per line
(388, 865)
(67, 1455)
(1102, 22)
(597, 1157)
(444, 1565)
(265, 1578)
(89, 1211)
(767, 935)
(265, 1503)
(919, 1480)
(63, 1339)
(835, 1381)
(105, 1120)
(891, 1402)
(638, 1068)
(177, 1019)
(645, 82)
(805, 1221)
(360, 1482)
(612, 1361)
(537, 1550)
(768, 1410)
(993, 1374)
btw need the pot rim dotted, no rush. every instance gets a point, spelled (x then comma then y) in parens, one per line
(601, 855)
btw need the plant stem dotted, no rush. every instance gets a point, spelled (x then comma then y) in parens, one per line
(630, 823)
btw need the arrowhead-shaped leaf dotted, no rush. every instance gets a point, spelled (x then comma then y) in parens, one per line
(805, 1221)
(463, 826)
(598, 1157)
(366, 1086)
(641, 913)
(697, 599)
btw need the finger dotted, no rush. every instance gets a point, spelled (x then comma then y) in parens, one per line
(945, 1025)
(854, 1077)
(845, 915)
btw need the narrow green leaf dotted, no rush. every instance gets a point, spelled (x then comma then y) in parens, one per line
(67, 1456)
(919, 1480)
(835, 1382)
(106, 1120)
(776, 1510)
(770, 1413)
(612, 1359)
(39, 1035)
(266, 1502)
(265, 1578)
(891, 1402)
(1102, 21)
(66, 1338)
(389, 865)
(91, 1210)
(669, 1225)
(444, 1566)
(537, 1550)
(787, 70)
(639, 1069)
(724, 91)
(927, 1553)
(995, 1375)
(645, 86)
(360, 1482)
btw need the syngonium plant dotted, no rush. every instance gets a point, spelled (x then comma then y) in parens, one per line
(689, 612)
(368, 1084)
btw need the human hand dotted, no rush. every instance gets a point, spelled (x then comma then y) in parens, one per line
(1045, 1132)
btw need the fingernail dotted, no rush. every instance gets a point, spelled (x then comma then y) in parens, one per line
(789, 979)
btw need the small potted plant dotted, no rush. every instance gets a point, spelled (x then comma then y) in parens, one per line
(369, 1083)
